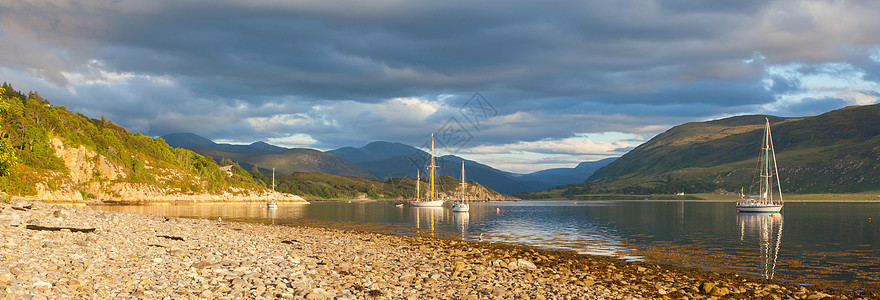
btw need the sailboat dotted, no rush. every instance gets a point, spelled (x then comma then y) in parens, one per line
(461, 205)
(764, 201)
(431, 200)
(272, 203)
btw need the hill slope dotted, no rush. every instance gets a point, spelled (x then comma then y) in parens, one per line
(836, 152)
(325, 186)
(292, 160)
(189, 141)
(388, 160)
(52, 154)
(374, 151)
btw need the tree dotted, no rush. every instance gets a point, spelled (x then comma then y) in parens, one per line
(7, 153)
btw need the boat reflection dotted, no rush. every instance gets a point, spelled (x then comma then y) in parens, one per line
(427, 217)
(461, 221)
(768, 229)
(271, 212)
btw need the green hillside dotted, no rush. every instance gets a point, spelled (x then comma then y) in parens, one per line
(54, 154)
(836, 152)
(290, 161)
(324, 186)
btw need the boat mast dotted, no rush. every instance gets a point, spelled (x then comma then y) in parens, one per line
(432, 166)
(766, 187)
(462, 180)
(273, 179)
(775, 167)
(418, 179)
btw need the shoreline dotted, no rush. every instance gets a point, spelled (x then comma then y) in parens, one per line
(133, 255)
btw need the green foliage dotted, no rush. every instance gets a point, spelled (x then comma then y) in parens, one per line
(7, 153)
(28, 123)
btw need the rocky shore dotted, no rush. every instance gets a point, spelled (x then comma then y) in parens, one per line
(61, 252)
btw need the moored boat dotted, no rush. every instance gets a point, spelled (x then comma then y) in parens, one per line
(764, 202)
(272, 203)
(461, 205)
(431, 200)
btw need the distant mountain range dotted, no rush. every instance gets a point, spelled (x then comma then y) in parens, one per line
(290, 161)
(549, 178)
(189, 140)
(381, 160)
(387, 160)
(836, 152)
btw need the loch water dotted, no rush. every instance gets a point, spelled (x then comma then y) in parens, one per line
(806, 242)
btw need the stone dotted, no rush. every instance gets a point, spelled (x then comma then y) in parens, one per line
(707, 287)
(9, 218)
(522, 263)
(719, 291)
(202, 265)
(41, 284)
(6, 276)
(317, 293)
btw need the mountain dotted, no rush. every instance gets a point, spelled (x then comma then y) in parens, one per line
(52, 154)
(549, 178)
(290, 161)
(374, 151)
(189, 141)
(836, 152)
(390, 160)
(325, 186)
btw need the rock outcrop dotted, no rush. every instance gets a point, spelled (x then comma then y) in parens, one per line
(94, 177)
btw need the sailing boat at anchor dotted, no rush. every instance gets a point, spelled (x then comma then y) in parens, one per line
(431, 200)
(461, 205)
(272, 204)
(764, 201)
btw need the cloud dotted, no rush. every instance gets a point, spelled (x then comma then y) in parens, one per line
(582, 146)
(333, 74)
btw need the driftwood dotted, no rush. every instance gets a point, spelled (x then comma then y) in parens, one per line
(48, 228)
(174, 238)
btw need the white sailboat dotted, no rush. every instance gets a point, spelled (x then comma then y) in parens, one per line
(272, 203)
(764, 202)
(431, 200)
(461, 205)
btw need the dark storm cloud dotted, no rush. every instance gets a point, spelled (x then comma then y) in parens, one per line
(252, 70)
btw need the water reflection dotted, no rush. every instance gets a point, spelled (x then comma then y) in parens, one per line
(426, 218)
(271, 213)
(230, 212)
(461, 221)
(767, 228)
(829, 241)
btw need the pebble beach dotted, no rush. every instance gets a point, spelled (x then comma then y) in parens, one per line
(73, 252)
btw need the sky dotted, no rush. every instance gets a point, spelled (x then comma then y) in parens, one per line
(519, 85)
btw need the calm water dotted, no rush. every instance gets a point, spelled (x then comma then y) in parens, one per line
(807, 241)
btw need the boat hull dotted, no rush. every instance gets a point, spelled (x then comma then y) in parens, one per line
(435, 203)
(460, 208)
(759, 208)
